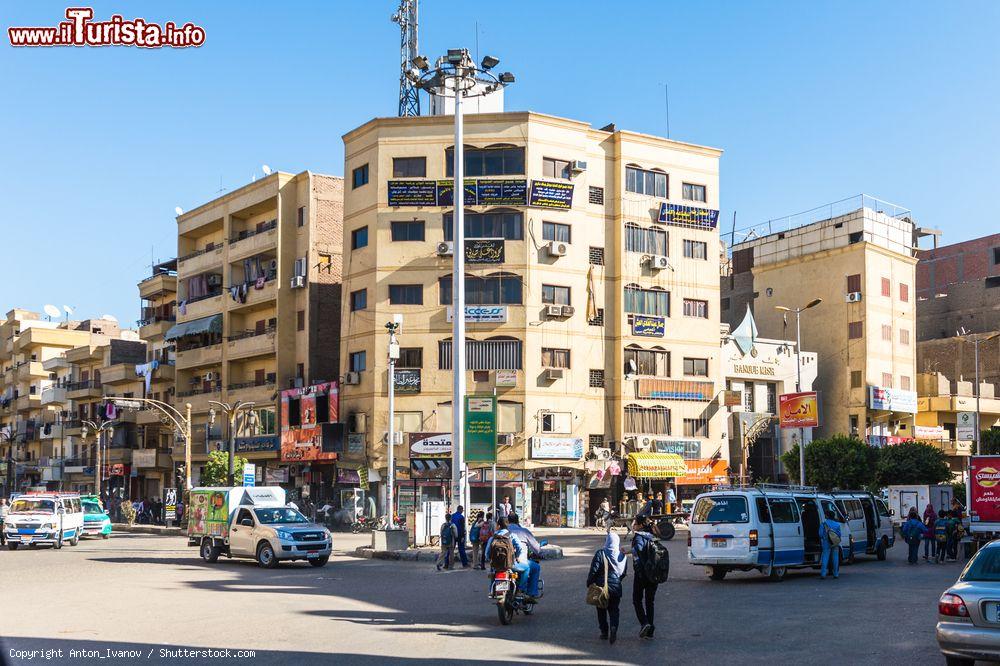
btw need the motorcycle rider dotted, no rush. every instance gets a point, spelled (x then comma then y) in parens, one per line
(522, 565)
(533, 548)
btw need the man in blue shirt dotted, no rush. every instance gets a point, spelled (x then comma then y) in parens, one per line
(830, 554)
(458, 520)
(532, 545)
(522, 565)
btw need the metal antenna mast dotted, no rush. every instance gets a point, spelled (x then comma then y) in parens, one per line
(406, 17)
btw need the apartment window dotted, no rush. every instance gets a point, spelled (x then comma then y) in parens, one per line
(853, 283)
(557, 422)
(693, 192)
(595, 440)
(407, 421)
(499, 353)
(887, 332)
(596, 378)
(996, 256)
(410, 357)
(359, 176)
(359, 238)
(553, 168)
(506, 224)
(409, 167)
(748, 397)
(647, 362)
(695, 308)
(595, 195)
(596, 256)
(724, 304)
(772, 398)
(696, 367)
(555, 295)
(554, 231)
(647, 420)
(408, 231)
(406, 294)
(695, 249)
(490, 161)
(887, 380)
(358, 361)
(300, 320)
(696, 427)
(598, 318)
(647, 301)
(856, 379)
(886, 287)
(301, 220)
(640, 181)
(555, 358)
(904, 292)
(359, 299)
(495, 289)
(645, 241)
(855, 330)
(904, 383)
(904, 336)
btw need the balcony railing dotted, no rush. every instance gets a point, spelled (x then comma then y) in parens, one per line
(84, 385)
(250, 233)
(199, 391)
(243, 335)
(210, 294)
(484, 354)
(197, 253)
(245, 385)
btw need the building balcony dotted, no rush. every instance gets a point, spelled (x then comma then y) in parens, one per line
(256, 296)
(199, 356)
(54, 395)
(249, 343)
(157, 284)
(165, 374)
(72, 428)
(200, 261)
(85, 389)
(28, 402)
(119, 373)
(956, 448)
(198, 398)
(28, 370)
(53, 431)
(203, 306)
(259, 394)
(249, 243)
(155, 329)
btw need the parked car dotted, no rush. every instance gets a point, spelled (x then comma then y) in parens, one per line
(968, 625)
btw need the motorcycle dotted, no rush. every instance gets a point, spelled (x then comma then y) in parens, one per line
(362, 524)
(508, 598)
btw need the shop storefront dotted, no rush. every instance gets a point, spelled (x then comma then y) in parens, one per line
(649, 473)
(509, 483)
(552, 493)
(701, 475)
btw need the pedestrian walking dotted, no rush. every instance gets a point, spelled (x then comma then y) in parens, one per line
(608, 568)
(458, 519)
(829, 539)
(930, 545)
(913, 532)
(504, 508)
(4, 510)
(486, 531)
(474, 542)
(658, 505)
(941, 528)
(448, 535)
(643, 586)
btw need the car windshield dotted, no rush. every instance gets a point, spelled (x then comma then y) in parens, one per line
(92, 507)
(721, 509)
(279, 516)
(33, 505)
(984, 567)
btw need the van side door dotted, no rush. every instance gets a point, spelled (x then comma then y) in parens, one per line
(788, 533)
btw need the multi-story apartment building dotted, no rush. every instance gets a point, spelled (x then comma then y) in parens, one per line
(860, 260)
(258, 305)
(943, 404)
(592, 264)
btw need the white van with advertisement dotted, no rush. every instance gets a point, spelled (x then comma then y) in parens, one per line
(770, 528)
(44, 518)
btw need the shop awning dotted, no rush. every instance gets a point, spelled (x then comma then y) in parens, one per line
(211, 324)
(656, 465)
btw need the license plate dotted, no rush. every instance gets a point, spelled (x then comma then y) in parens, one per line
(718, 543)
(311, 554)
(992, 611)
(502, 586)
(26, 539)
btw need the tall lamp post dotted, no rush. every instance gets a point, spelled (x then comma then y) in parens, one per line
(232, 413)
(798, 376)
(392, 328)
(8, 436)
(99, 430)
(456, 75)
(975, 341)
(181, 423)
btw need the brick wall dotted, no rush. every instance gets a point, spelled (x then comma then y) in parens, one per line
(969, 261)
(327, 234)
(955, 359)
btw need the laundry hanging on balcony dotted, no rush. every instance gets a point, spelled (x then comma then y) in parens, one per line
(146, 370)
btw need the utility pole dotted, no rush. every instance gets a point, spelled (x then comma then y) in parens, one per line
(798, 376)
(406, 17)
(979, 432)
(392, 327)
(232, 413)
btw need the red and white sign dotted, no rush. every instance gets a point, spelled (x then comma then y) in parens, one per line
(984, 492)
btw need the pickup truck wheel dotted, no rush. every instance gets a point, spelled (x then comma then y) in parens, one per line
(880, 550)
(320, 561)
(209, 552)
(75, 540)
(717, 573)
(265, 556)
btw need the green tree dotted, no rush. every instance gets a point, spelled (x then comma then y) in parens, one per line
(216, 470)
(911, 463)
(989, 440)
(835, 462)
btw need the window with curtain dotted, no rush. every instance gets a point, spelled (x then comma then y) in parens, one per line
(498, 160)
(506, 224)
(645, 241)
(495, 289)
(641, 181)
(647, 362)
(510, 416)
(554, 231)
(647, 420)
(647, 301)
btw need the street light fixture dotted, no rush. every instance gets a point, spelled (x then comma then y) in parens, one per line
(99, 430)
(455, 75)
(182, 425)
(976, 340)
(232, 414)
(798, 375)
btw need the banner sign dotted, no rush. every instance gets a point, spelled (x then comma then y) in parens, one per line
(930, 433)
(674, 389)
(429, 444)
(505, 192)
(484, 251)
(250, 474)
(798, 410)
(485, 475)
(892, 400)
(984, 491)
(355, 442)
(482, 314)
(505, 378)
(446, 192)
(556, 448)
(704, 473)
(275, 475)
(412, 193)
(685, 448)
(169, 504)
(546, 194)
(407, 380)
(257, 444)
(965, 426)
(480, 429)
(688, 216)
(144, 458)
(649, 327)
(348, 475)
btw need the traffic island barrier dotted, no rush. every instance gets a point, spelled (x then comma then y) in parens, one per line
(431, 555)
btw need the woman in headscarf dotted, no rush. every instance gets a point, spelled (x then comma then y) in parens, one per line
(610, 560)
(930, 545)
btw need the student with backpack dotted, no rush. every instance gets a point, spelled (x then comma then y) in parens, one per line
(505, 550)
(829, 539)
(942, 530)
(913, 532)
(651, 565)
(448, 535)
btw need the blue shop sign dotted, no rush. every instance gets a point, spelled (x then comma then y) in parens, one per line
(257, 444)
(688, 216)
(649, 327)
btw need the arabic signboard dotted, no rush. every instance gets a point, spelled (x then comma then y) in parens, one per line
(892, 400)
(412, 193)
(249, 474)
(505, 378)
(733, 398)
(649, 327)
(484, 251)
(407, 380)
(429, 444)
(556, 448)
(355, 442)
(257, 444)
(482, 314)
(275, 475)
(170, 504)
(688, 216)
(485, 475)
(480, 429)
(348, 476)
(984, 492)
(504, 192)
(686, 448)
(704, 473)
(929, 433)
(799, 410)
(965, 426)
(446, 192)
(547, 194)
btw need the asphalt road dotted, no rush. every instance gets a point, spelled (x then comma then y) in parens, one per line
(153, 593)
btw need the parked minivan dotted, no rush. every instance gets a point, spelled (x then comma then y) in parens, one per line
(44, 518)
(870, 521)
(771, 528)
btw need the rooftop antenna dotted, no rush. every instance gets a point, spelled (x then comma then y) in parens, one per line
(221, 186)
(666, 106)
(68, 310)
(406, 17)
(51, 311)
(266, 169)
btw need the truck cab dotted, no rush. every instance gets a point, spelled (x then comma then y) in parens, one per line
(44, 518)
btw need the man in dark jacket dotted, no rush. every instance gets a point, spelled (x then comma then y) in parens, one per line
(458, 520)
(643, 589)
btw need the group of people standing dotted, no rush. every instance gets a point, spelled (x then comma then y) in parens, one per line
(939, 531)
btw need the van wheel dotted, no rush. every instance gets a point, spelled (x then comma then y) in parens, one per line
(265, 556)
(850, 557)
(75, 540)
(209, 552)
(778, 574)
(106, 536)
(12, 546)
(717, 573)
(880, 550)
(58, 543)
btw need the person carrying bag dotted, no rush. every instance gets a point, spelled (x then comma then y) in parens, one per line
(604, 585)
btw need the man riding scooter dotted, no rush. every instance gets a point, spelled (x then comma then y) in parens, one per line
(522, 565)
(532, 554)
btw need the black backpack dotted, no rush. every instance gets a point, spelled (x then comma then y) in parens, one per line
(655, 562)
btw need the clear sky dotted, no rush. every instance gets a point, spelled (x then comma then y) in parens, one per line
(812, 102)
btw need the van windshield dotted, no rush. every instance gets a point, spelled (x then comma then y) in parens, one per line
(92, 507)
(721, 509)
(33, 505)
(279, 516)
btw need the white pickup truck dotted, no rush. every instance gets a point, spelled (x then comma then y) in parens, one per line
(254, 522)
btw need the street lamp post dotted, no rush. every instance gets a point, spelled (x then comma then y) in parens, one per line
(232, 414)
(457, 76)
(181, 422)
(10, 437)
(99, 430)
(798, 376)
(975, 341)
(392, 327)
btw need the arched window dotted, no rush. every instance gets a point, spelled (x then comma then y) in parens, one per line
(643, 240)
(653, 362)
(492, 289)
(654, 301)
(496, 353)
(498, 223)
(651, 182)
(501, 159)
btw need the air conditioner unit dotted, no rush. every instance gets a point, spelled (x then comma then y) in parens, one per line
(601, 453)
(352, 378)
(658, 262)
(553, 311)
(553, 373)
(505, 439)
(357, 422)
(446, 248)
(558, 249)
(854, 297)
(568, 310)
(298, 282)
(214, 280)
(577, 166)
(294, 382)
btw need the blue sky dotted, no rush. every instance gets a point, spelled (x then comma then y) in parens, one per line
(812, 102)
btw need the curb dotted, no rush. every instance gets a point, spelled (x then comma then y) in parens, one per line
(415, 555)
(148, 529)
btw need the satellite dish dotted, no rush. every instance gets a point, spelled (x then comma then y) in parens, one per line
(266, 169)
(67, 309)
(108, 317)
(51, 310)
(178, 210)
